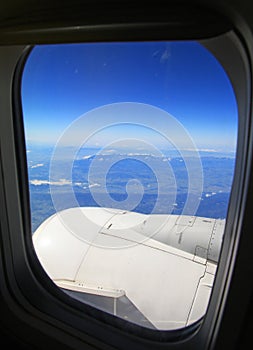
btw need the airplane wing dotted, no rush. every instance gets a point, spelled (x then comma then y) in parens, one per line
(153, 270)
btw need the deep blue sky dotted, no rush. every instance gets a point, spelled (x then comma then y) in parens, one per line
(62, 82)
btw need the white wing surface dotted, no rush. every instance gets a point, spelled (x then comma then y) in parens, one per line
(158, 270)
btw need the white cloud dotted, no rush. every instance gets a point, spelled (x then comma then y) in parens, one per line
(61, 182)
(37, 165)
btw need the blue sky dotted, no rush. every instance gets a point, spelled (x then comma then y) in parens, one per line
(62, 82)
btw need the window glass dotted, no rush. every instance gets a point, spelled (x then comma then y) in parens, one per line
(130, 155)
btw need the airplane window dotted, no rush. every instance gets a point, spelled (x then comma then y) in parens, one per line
(130, 155)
